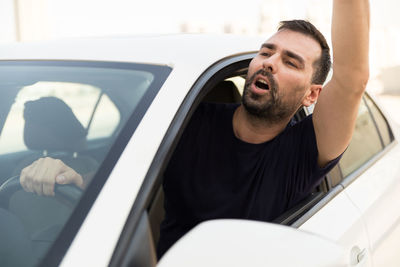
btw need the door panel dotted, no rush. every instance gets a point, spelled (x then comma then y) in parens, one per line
(376, 193)
(339, 220)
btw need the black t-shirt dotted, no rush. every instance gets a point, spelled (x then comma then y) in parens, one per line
(213, 175)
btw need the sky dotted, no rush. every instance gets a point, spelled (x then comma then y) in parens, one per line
(53, 19)
(127, 16)
(96, 17)
(57, 19)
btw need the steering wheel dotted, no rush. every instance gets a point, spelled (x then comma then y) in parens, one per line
(68, 194)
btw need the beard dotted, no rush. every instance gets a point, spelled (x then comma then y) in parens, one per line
(270, 107)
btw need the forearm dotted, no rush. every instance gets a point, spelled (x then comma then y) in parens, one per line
(350, 43)
(336, 110)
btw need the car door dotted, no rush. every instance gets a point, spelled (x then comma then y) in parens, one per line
(373, 184)
(365, 188)
(336, 216)
(338, 219)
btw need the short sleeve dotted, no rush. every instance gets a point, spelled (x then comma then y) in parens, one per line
(309, 172)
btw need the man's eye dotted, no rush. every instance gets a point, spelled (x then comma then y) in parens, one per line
(265, 54)
(291, 64)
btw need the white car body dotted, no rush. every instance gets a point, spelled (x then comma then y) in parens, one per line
(360, 214)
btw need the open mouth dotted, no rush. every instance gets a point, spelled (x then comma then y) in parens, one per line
(262, 84)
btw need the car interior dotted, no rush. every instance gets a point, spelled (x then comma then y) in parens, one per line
(63, 138)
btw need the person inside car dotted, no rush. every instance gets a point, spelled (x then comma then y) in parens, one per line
(250, 161)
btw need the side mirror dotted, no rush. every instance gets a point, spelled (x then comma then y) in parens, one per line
(250, 243)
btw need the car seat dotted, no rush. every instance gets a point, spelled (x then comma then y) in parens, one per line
(51, 129)
(224, 92)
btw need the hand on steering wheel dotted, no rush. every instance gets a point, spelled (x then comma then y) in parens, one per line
(41, 176)
(68, 194)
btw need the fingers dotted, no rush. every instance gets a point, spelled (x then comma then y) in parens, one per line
(28, 177)
(70, 177)
(40, 176)
(24, 180)
(43, 181)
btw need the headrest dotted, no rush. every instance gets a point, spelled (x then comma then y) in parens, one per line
(51, 125)
(224, 92)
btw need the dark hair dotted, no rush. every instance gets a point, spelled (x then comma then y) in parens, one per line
(321, 65)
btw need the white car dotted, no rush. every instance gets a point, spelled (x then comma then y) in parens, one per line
(116, 108)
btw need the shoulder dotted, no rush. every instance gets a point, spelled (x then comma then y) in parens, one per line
(304, 126)
(299, 136)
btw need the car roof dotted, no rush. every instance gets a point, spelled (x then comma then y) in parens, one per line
(168, 49)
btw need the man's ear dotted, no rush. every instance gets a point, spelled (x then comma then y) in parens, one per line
(312, 95)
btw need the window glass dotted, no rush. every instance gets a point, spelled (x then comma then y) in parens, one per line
(73, 112)
(105, 119)
(381, 122)
(364, 144)
(334, 176)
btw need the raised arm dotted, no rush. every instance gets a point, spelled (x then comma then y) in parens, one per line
(337, 107)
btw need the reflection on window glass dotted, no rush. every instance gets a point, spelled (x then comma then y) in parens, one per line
(381, 122)
(335, 176)
(81, 98)
(105, 119)
(364, 144)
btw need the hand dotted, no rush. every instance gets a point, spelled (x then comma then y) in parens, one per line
(41, 175)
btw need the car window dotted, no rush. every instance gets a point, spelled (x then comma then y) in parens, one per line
(334, 176)
(383, 126)
(364, 144)
(72, 111)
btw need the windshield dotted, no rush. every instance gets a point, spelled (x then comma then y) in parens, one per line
(68, 111)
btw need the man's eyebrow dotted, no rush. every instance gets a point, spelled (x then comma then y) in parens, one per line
(294, 56)
(269, 46)
(285, 52)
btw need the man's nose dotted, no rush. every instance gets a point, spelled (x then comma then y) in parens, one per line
(270, 64)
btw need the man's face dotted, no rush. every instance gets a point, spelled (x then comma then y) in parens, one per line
(280, 75)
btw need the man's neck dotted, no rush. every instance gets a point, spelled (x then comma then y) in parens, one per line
(251, 129)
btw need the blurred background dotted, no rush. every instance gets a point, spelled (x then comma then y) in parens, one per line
(37, 20)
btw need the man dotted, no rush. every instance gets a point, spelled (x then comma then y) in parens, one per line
(251, 161)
